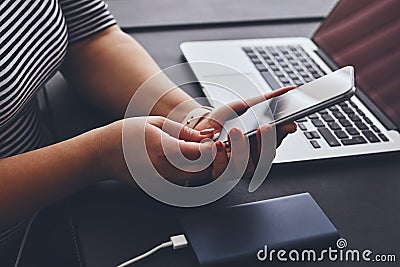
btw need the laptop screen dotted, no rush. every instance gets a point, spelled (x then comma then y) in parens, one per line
(366, 34)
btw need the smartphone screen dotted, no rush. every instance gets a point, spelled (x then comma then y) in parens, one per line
(302, 101)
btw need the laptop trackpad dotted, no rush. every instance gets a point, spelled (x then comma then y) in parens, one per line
(225, 88)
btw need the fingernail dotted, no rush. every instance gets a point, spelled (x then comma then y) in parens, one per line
(235, 133)
(219, 145)
(216, 136)
(207, 131)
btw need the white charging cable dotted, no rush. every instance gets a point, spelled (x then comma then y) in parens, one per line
(177, 242)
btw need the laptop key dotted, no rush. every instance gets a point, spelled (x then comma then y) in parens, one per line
(259, 49)
(383, 137)
(308, 135)
(354, 141)
(315, 135)
(283, 64)
(345, 123)
(285, 84)
(270, 80)
(371, 136)
(247, 49)
(327, 117)
(269, 61)
(324, 111)
(341, 134)
(354, 117)
(315, 144)
(352, 131)
(359, 111)
(287, 69)
(298, 67)
(265, 56)
(334, 126)
(328, 136)
(303, 73)
(360, 125)
(318, 123)
(375, 129)
(302, 59)
(307, 79)
(348, 110)
(302, 126)
(367, 120)
(297, 82)
(313, 116)
(301, 120)
(316, 75)
(338, 115)
(353, 104)
(261, 67)
(274, 67)
(334, 108)
(284, 80)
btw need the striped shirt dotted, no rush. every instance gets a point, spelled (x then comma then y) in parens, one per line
(34, 38)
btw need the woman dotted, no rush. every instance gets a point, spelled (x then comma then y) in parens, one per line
(82, 39)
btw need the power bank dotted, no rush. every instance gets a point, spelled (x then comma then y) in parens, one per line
(237, 233)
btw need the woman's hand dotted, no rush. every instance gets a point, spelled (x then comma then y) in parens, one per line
(164, 141)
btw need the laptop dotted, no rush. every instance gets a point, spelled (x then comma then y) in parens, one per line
(361, 33)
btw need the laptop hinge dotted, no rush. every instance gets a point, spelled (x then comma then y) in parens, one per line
(362, 96)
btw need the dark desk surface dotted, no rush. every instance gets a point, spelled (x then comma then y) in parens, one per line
(160, 13)
(360, 195)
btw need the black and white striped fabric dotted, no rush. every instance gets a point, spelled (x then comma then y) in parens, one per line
(34, 38)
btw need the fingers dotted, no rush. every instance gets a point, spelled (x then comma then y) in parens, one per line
(221, 160)
(240, 151)
(266, 152)
(279, 92)
(237, 108)
(283, 131)
(180, 131)
(289, 127)
(241, 106)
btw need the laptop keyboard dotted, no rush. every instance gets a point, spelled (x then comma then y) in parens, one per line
(340, 125)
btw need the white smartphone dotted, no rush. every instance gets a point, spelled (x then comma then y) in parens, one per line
(305, 100)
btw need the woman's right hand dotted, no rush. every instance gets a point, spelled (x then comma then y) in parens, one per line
(164, 140)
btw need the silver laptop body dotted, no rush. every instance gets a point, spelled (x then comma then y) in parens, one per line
(252, 56)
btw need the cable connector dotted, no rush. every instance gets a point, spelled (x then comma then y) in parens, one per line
(177, 242)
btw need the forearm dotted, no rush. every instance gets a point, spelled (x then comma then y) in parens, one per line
(111, 67)
(31, 180)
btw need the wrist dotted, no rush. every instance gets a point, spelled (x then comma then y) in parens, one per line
(179, 112)
(100, 146)
(195, 116)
